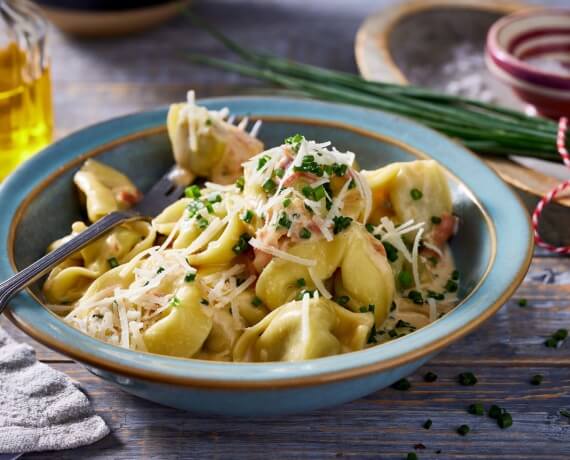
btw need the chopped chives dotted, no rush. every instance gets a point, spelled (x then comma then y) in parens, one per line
(240, 183)
(405, 279)
(505, 420)
(416, 194)
(341, 223)
(113, 262)
(451, 286)
(412, 456)
(427, 424)
(522, 302)
(242, 243)
(402, 385)
(192, 192)
(463, 430)
(247, 216)
(284, 221)
(305, 233)
(363, 309)
(174, 302)
(370, 228)
(416, 297)
(436, 220)
(476, 409)
(495, 411)
(279, 172)
(256, 301)
(160, 270)
(455, 275)
(269, 186)
(536, 379)
(190, 277)
(286, 202)
(467, 378)
(342, 300)
(204, 302)
(301, 282)
(430, 377)
(391, 251)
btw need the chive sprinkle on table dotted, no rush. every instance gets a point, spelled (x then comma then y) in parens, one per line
(438, 415)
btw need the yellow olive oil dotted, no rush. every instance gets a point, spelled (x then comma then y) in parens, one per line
(26, 114)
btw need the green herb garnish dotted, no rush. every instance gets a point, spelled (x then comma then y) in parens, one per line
(416, 194)
(247, 216)
(505, 420)
(402, 385)
(269, 186)
(463, 430)
(286, 202)
(341, 223)
(476, 409)
(427, 424)
(522, 302)
(405, 279)
(193, 192)
(416, 297)
(113, 262)
(430, 377)
(240, 183)
(391, 251)
(342, 300)
(305, 233)
(295, 141)
(256, 301)
(412, 456)
(174, 302)
(284, 221)
(467, 378)
(451, 286)
(242, 244)
(204, 302)
(189, 277)
(160, 270)
(435, 220)
(536, 379)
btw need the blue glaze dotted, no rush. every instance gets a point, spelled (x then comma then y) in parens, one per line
(144, 159)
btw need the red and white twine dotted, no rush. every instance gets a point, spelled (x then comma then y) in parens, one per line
(561, 146)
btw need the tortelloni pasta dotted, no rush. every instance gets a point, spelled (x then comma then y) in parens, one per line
(303, 257)
(305, 329)
(206, 145)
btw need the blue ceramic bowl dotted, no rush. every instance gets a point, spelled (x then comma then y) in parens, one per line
(492, 250)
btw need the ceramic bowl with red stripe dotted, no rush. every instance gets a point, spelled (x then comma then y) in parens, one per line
(530, 51)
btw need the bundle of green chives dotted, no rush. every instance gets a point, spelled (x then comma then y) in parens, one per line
(482, 127)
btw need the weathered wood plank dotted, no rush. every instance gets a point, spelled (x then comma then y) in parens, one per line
(384, 425)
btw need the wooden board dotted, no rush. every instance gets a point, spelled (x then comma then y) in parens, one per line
(95, 80)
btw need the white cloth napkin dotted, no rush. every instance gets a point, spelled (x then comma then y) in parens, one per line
(41, 408)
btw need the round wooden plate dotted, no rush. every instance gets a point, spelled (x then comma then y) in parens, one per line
(393, 44)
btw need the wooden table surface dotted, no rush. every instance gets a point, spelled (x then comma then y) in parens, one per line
(95, 80)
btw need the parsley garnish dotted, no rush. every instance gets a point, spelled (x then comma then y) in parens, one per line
(416, 297)
(190, 277)
(301, 282)
(262, 162)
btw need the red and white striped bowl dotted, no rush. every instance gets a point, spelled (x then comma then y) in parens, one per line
(517, 41)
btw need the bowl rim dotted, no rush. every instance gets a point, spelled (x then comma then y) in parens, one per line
(196, 373)
(508, 62)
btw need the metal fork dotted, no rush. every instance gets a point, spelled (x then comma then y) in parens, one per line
(163, 193)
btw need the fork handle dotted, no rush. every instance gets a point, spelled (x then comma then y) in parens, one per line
(40, 267)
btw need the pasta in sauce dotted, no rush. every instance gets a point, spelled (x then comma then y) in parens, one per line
(302, 257)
